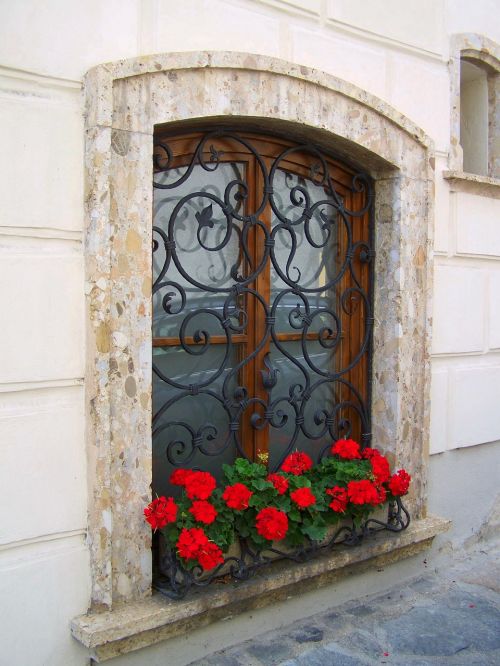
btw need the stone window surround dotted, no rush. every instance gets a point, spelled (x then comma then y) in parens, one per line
(483, 53)
(124, 102)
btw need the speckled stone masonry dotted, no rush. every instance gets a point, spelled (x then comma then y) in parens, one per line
(124, 101)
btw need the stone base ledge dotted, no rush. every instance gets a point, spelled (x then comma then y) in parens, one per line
(473, 183)
(139, 624)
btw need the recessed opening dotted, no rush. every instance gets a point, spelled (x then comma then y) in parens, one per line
(474, 118)
(262, 302)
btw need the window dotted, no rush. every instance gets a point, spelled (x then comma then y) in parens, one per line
(118, 256)
(475, 104)
(262, 309)
(474, 118)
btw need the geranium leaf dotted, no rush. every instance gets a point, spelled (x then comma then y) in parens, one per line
(315, 532)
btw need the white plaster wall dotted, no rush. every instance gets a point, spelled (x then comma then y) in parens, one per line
(466, 332)
(397, 52)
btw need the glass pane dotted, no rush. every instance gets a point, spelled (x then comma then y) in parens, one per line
(189, 429)
(308, 253)
(207, 256)
(296, 366)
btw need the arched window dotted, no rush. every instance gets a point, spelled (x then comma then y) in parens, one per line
(262, 310)
(475, 97)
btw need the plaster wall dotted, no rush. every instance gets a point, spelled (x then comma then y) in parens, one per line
(400, 56)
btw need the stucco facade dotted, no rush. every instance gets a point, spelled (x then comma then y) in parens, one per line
(75, 163)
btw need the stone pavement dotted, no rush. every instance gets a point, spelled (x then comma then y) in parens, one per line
(449, 616)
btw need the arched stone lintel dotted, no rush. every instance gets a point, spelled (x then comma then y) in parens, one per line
(125, 101)
(478, 46)
(102, 81)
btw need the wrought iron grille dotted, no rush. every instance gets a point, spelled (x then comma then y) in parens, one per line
(262, 300)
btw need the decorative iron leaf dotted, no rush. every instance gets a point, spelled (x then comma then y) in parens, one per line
(204, 217)
(269, 376)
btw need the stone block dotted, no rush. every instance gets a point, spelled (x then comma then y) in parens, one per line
(477, 224)
(43, 463)
(66, 43)
(360, 64)
(494, 309)
(41, 174)
(459, 302)
(43, 584)
(196, 25)
(439, 410)
(42, 291)
(419, 25)
(475, 416)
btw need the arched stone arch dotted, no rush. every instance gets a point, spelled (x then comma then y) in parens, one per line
(124, 102)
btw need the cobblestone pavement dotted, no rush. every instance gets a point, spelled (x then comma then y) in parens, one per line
(447, 617)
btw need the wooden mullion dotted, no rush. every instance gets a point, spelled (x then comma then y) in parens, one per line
(247, 431)
(263, 287)
(189, 340)
(296, 337)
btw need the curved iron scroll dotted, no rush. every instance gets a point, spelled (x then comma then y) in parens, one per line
(175, 580)
(211, 220)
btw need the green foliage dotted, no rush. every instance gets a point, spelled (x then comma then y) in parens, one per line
(303, 523)
(340, 472)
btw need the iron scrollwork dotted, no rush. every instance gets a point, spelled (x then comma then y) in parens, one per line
(175, 580)
(206, 272)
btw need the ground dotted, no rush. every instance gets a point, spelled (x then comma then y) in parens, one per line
(449, 615)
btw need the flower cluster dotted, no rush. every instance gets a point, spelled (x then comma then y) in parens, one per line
(339, 499)
(303, 497)
(279, 481)
(297, 463)
(193, 544)
(237, 496)
(272, 524)
(161, 512)
(295, 503)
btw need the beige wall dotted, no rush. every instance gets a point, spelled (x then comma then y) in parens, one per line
(397, 54)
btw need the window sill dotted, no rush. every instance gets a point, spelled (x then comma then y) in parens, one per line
(140, 624)
(473, 183)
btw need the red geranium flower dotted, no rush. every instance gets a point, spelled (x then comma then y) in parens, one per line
(382, 494)
(203, 511)
(362, 492)
(297, 463)
(209, 556)
(399, 482)
(339, 501)
(190, 542)
(380, 465)
(237, 496)
(179, 476)
(272, 524)
(199, 485)
(303, 497)
(380, 468)
(279, 482)
(368, 453)
(346, 448)
(161, 512)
